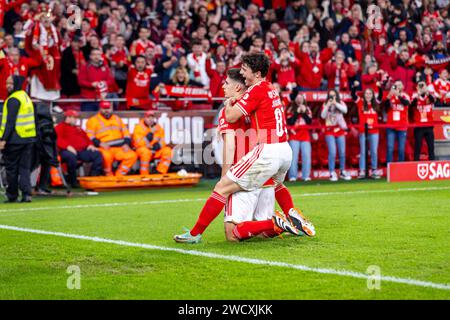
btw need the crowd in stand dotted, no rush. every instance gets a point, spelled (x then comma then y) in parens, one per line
(392, 58)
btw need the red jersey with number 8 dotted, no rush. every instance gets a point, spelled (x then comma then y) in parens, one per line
(263, 104)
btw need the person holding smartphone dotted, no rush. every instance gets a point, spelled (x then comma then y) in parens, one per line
(299, 115)
(396, 107)
(422, 108)
(333, 111)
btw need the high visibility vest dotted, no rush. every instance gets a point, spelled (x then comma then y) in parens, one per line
(25, 122)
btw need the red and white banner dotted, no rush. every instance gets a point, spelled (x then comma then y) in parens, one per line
(442, 130)
(418, 171)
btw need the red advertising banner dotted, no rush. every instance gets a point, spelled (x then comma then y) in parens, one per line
(418, 171)
(442, 131)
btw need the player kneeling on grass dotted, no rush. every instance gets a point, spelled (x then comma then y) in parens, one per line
(271, 156)
(247, 213)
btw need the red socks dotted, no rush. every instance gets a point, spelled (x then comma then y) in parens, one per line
(284, 198)
(210, 211)
(249, 229)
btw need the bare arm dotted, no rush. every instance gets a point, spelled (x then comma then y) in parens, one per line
(232, 114)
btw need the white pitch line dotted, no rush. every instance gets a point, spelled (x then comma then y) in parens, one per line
(345, 273)
(138, 203)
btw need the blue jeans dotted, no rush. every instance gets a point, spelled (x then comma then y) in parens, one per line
(332, 142)
(391, 136)
(373, 145)
(305, 148)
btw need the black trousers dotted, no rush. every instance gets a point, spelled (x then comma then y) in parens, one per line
(86, 156)
(419, 134)
(17, 158)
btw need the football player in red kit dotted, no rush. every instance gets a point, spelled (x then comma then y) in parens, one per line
(270, 157)
(247, 213)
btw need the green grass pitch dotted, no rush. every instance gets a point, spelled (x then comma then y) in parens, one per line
(403, 229)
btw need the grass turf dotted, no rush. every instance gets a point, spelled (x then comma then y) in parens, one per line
(406, 233)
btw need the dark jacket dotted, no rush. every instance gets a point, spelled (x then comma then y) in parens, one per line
(10, 135)
(45, 150)
(69, 80)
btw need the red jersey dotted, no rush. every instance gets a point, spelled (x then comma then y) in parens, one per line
(119, 55)
(442, 87)
(300, 133)
(240, 129)
(263, 104)
(140, 46)
(138, 86)
(68, 135)
(397, 115)
(370, 117)
(423, 112)
(8, 68)
(357, 47)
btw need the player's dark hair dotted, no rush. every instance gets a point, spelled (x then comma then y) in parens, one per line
(235, 75)
(257, 62)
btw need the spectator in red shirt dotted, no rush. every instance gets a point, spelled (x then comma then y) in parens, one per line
(139, 46)
(299, 115)
(217, 78)
(95, 80)
(368, 113)
(396, 105)
(338, 72)
(311, 65)
(404, 71)
(138, 85)
(284, 67)
(422, 107)
(14, 64)
(74, 145)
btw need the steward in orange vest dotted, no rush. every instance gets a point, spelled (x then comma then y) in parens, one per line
(110, 134)
(148, 139)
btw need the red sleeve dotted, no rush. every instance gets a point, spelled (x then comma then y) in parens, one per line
(368, 79)
(249, 102)
(82, 77)
(351, 70)
(33, 62)
(86, 138)
(378, 53)
(328, 69)
(209, 70)
(61, 142)
(326, 55)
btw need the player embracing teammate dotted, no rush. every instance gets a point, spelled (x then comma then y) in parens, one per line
(269, 159)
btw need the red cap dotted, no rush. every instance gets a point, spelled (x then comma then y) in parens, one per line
(105, 104)
(149, 113)
(71, 113)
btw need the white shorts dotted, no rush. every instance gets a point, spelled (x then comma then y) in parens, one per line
(250, 205)
(263, 162)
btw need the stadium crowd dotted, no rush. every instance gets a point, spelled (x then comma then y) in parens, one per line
(392, 59)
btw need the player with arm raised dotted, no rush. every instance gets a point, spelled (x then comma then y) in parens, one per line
(270, 158)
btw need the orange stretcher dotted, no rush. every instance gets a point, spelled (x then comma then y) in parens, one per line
(139, 181)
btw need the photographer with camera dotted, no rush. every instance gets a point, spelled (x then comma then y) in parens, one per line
(422, 108)
(333, 111)
(396, 107)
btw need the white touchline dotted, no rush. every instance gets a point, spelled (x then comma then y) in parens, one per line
(345, 273)
(151, 202)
